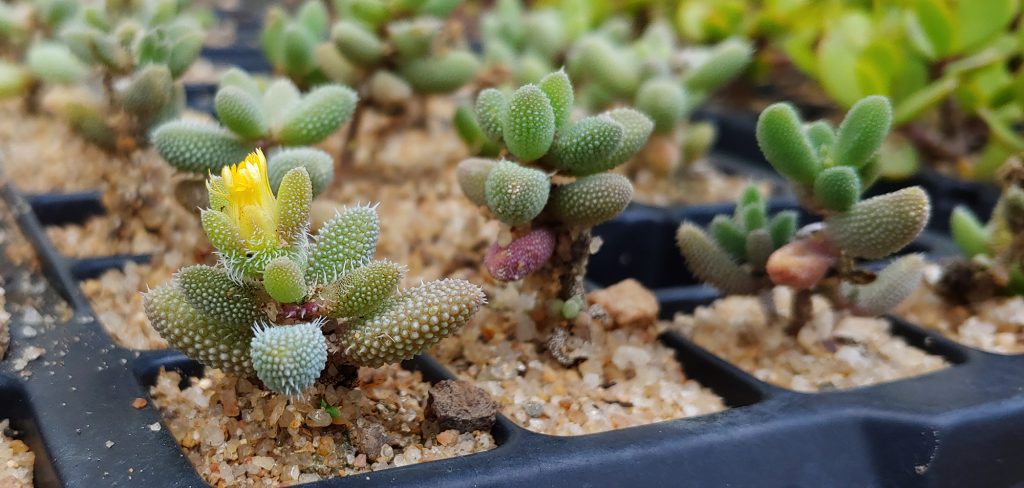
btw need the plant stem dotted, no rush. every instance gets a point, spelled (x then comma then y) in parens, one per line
(32, 97)
(802, 311)
(351, 135)
(571, 265)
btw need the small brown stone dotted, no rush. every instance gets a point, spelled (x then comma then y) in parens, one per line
(370, 438)
(628, 303)
(801, 264)
(139, 403)
(461, 406)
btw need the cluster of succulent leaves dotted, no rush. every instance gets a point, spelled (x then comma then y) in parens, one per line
(31, 55)
(533, 125)
(996, 247)
(136, 49)
(254, 112)
(527, 43)
(652, 72)
(922, 54)
(829, 169)
(278, 302)
(392, 49)
(733, 253)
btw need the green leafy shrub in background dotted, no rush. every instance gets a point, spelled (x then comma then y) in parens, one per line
(949, 67)
(553, 188)
(279, 305)
(828, 169)
(274, 115)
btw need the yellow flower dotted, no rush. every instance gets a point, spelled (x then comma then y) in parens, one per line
(250, 202)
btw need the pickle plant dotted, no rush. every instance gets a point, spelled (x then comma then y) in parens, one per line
(733, 254)
(30, 57)
(992, 253)
(392, 50)
(523, 45)
(280, 306)
(829, 169)
(138, 50)
(662, 80)
(553, 188)
(277, 115)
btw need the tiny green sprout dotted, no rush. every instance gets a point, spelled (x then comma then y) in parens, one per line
(262, 310)
(330, 409)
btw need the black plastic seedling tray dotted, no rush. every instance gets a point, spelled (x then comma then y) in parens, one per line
(963, 426)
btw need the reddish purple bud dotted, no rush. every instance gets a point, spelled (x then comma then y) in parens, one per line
(299, 311)
(522, 257)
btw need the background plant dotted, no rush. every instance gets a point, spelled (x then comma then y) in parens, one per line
(280, 306)
(393, 51)
(395, 54)
(136, 51)
(992, 252)
(829, 169)
(553, 188)
(659, 77)
(257, 114)
(29, 56)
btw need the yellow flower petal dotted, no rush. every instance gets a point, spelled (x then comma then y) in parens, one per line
(251, 203)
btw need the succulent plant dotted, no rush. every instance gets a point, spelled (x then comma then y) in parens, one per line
(278, 115)
(661, 79)
(555, 184)
(732, 254)
(32, 57)
(391, 50)
(523, 45)
(829, 170)
(24, 23)
(946, 65)
(279, 306)
(992, 252)
(649, 72)
(137, 50)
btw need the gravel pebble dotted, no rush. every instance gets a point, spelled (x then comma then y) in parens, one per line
(736, 329)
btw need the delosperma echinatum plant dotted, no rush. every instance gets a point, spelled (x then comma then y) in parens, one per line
(139, 51)
(733, 253)
(552, 187)
(828, 169)
(280, 306)
(275, 116)
(392, 50)
(992, 253)
(30, 57)
(661, 79)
